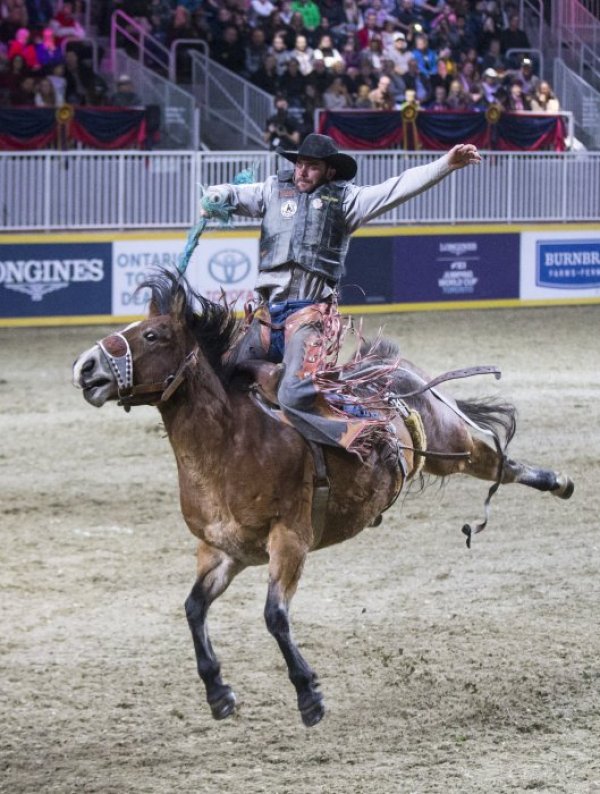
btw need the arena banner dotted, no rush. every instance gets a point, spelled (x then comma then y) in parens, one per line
(55, 280)
(457, 267)
(560, 264)
(368, 276)
(223, 264)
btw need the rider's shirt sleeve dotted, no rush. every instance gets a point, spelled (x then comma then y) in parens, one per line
(362, 204)
(248, 200)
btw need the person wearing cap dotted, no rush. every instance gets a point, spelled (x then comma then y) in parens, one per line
(308, 215)
(282, 128)
(490, 85)
(399, 54)
(125, 95)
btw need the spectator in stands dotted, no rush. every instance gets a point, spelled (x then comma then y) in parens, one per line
(59, 83)
(373, 54)
(255, 52)
(333, 11)
(65, 25)
(297, 28)
(544, 99)
(267, 77)
(425, 57)
(397, 84)
(311, 16)
(260, 11)
(516, 100)
(409, 15)
(320, 76)
(229, 51)
(16, 18)
(513, 37)
(529, 80)
(439, 101)
(492, 58)
(490, 86)
(370, 29)
(350, 53)
(381, 96)
(352, 21)
(442, 76)
(363, 100)
(45, 95)
(336, 97)
(418, 82)
(47, 51)
(410, 100)
(458, 98)
(22, 45)
(310, 104)
(280, 52)
(282, 128)
(399, 53)
(24, 93)
(125, 96)
(327, 52)
(303, 54)
(292, 83)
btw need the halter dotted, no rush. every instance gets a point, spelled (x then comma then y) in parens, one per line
(117, 352)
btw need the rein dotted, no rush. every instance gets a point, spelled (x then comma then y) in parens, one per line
(117, 352)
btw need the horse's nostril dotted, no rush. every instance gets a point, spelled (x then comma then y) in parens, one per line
(88, 366)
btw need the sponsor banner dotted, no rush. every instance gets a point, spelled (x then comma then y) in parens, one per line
(55, 280)
(560, 264)
(228, 265)
(455, 268)
(368, 276)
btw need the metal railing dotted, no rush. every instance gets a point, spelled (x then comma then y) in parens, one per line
(582, 100)
(54, 191)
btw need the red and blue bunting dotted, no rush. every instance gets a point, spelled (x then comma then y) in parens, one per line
(99, 128)
(428, 129)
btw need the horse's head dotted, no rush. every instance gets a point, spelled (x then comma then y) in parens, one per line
(146, 362)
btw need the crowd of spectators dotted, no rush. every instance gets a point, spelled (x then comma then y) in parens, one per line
(367, 54)
(46, 59)
(309, 54)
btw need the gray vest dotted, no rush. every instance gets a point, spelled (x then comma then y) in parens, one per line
(306, 228)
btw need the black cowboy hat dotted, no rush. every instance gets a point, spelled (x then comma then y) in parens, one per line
(322, 147)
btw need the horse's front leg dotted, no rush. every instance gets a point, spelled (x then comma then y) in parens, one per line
(215, 572)
(287, 552)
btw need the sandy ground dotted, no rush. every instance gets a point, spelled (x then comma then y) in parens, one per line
(443, 669)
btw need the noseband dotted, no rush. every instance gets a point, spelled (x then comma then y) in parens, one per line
(117, 352)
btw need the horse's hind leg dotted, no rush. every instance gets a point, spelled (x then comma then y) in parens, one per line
(215, 572)
(287, 553)
(485, 463)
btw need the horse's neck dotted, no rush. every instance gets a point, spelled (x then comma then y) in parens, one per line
(198, 420)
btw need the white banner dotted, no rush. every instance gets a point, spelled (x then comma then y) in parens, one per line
(560, 264)
(228, 264)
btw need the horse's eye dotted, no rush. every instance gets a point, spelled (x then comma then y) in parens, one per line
(150, 336)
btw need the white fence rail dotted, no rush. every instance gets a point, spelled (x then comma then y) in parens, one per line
(53, 191)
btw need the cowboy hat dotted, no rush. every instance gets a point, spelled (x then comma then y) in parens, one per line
(322, 147)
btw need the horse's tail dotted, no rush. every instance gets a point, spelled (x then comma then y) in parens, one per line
(499, 418)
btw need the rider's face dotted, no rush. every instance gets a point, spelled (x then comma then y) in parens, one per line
(309, 174)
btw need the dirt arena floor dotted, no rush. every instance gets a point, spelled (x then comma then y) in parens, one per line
(444, 669)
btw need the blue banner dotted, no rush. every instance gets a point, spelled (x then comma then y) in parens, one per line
(568, 264)
(455, 267)
(55, 280)
(368, 276)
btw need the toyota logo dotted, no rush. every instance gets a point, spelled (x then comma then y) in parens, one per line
(229, 267)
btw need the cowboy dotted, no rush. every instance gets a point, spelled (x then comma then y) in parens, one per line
(308, 215)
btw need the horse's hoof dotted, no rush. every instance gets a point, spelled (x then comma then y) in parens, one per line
(224, 706)
(313, 714)
(564, 487)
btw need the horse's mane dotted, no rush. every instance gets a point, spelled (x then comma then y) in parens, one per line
(214, 326)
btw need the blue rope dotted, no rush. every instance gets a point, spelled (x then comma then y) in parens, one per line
(217, 208)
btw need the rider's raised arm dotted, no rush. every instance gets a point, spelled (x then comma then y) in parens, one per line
(248, 199)
(362, 204)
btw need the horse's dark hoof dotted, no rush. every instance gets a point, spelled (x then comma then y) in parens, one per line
(313, 714)
(564, 487)
(224, 706)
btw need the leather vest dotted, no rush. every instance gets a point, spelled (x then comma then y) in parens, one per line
(308, 229)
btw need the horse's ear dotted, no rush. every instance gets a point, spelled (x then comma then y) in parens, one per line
(153, 310)
(178, 305)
